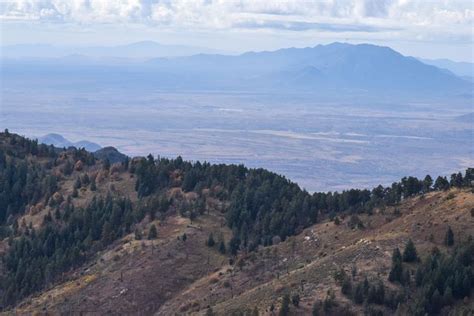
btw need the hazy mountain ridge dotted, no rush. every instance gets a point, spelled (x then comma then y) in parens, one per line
(462, 69)
(333, 69)
(136, 50)
(338, 66)
(58, 140)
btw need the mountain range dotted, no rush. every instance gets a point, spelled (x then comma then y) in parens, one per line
(337, 66)
(139, 50)
(334, 69)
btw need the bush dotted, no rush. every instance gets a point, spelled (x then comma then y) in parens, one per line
(355, 222)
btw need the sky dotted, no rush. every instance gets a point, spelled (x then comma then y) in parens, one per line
(422, 28)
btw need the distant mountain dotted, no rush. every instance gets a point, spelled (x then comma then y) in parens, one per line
(138, 50)
(462, 69)
(330, 70)
(465, 118)
(337, 66)
(58, 140)
(110, 153)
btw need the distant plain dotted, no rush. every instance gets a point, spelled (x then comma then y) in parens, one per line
(323, 145)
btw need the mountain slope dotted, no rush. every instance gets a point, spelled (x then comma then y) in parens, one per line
(461, 69)
(132, 275)
(165, 236)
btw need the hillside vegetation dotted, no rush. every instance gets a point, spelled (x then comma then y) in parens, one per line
(153, 235)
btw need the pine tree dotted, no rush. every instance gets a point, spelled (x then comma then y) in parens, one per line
(449, 237)
(396, 272)
(93, 186)
(427, 183)
(448, 296)
(138, 234)
(107, 233)
(285, 306)
(346, 287)
(152, 233)
(410, 254)
(210, 240)
(359, 293)
(222, 249)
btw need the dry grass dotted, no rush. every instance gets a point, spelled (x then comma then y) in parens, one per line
(167, 276)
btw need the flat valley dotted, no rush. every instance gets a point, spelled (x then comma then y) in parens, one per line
(320, 144)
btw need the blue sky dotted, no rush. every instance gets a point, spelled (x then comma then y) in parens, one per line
(430, 29)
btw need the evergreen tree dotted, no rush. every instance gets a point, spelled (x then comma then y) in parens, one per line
(410, 254)
(138, 234)
(346, 287)
(427, 183)
(210, 240)
(152, 233)
(449, 237)
(222, 248)
(448, 298)
(93, 186)
(285, 306)
(107, 233)
(396, 272)
(359, 293)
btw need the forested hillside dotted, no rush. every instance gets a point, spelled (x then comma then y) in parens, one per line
(62, 209)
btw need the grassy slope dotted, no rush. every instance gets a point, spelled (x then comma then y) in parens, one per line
(168, 275)
(305, 263)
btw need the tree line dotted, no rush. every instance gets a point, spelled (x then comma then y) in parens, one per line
(263, 204)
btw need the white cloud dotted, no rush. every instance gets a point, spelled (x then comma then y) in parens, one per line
(225, 13)
(255, 23)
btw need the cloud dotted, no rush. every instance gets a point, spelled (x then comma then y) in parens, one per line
(240, 25)
(303, 26)
(208, 14)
